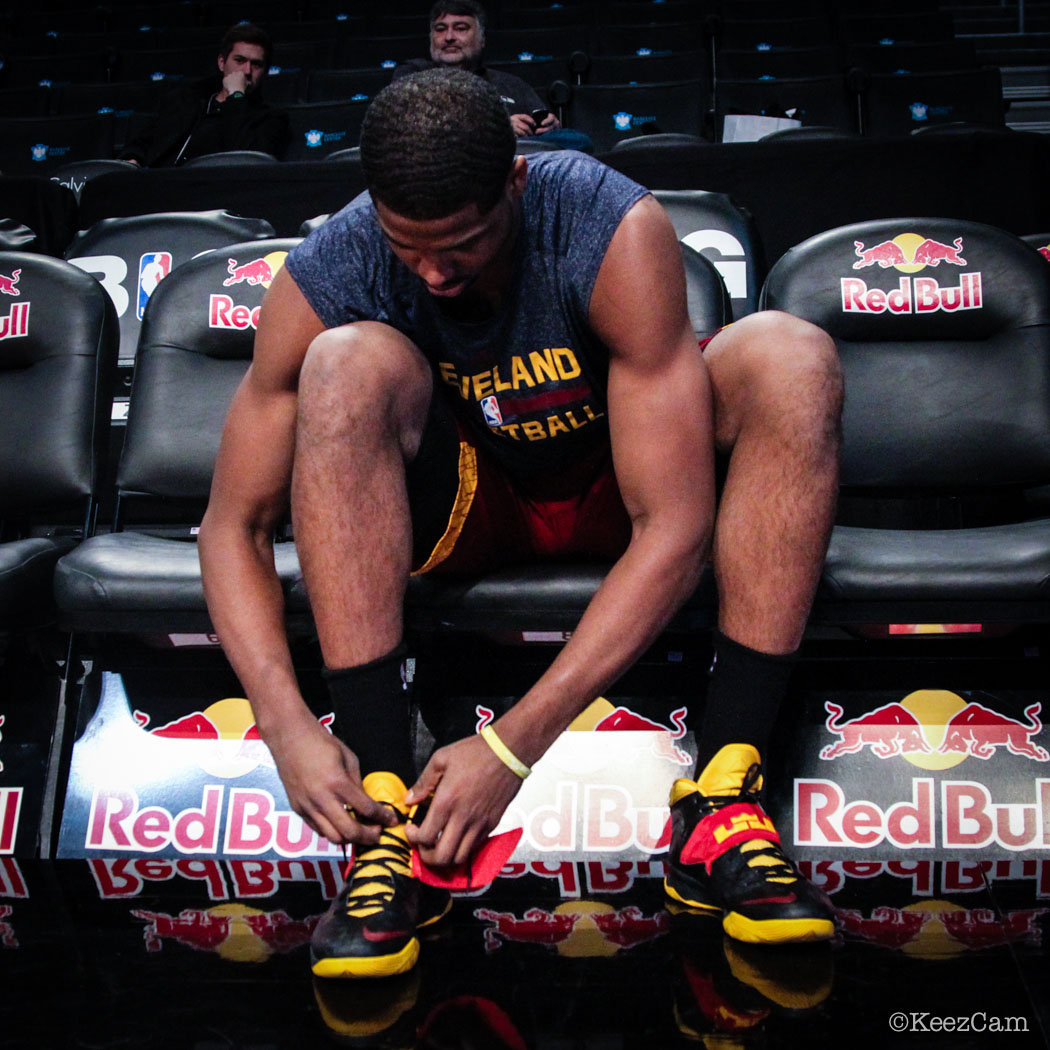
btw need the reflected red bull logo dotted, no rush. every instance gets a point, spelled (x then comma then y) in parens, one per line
(233, 931)
(935, 729)
(940, 929)
(8, 285)
(575, 928)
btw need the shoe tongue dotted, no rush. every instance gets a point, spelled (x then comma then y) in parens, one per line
(386, 787)
(725, 773)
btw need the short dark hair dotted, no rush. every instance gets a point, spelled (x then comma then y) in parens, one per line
(435, 142)
(247, 33)
(458, 7)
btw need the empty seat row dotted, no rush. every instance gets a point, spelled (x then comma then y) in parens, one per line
(875, 104)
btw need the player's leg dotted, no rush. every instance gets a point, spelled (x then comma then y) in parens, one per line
(778, 392)
(364, 395)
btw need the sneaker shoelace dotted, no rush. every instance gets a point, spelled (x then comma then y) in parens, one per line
(371, 875)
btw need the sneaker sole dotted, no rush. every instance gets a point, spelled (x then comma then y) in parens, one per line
(370, 966)
(777, 931)
(357, 966)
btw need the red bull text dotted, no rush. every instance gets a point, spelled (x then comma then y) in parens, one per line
(961, 816)
(16, 323)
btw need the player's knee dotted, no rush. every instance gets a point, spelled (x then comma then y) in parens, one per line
(360, 364)
(792, 357)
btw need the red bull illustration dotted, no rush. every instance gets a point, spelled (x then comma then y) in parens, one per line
(623, 719)
(977, 730)
(257, 271)
(938, 724)
(885, 255)
(888, 730)
(909, 250)
(8, 284)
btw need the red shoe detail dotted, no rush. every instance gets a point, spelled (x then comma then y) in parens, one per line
(727, 827)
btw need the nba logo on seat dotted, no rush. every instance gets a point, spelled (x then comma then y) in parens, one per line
(153, 268)
(490, 407)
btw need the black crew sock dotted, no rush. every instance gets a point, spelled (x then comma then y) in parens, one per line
(743, 697)
(373, 714)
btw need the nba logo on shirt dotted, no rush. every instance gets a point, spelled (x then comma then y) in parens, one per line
(153, 268)
(493, 416)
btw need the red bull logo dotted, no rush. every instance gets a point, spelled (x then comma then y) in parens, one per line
(575, 928)
(223, 312)
(910, 253)
(228, 726)
(935, 729)
(16, 323)
(8, 285)
(623, 719)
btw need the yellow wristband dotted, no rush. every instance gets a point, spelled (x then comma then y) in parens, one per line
(504, 753)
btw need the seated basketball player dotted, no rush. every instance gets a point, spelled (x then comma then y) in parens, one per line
(396, 400)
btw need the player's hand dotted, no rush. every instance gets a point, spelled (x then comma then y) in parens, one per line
(322, 777)
(523, 124)
(471, 788)
(549, 123)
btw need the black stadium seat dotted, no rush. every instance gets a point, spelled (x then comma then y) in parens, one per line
(195, 346)
(726, 234)
(38, 145)
(321, 128)
(943, 327)
(609, 113)
(899, 103)
(129, 255)
(59, 337)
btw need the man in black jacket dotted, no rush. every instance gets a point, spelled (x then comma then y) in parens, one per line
(457, 39)
(221, 112)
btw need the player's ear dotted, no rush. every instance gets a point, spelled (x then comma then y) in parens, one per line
(517, 178)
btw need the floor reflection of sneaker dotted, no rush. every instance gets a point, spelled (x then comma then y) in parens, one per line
(374, 1014)
(725, 855)
(727, 990)
(469, 1021)
(370, 928)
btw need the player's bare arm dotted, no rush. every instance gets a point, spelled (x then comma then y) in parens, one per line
(660, 416)
(249, 496)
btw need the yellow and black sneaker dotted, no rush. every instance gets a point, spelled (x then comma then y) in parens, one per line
(725, 855)
(370, 928)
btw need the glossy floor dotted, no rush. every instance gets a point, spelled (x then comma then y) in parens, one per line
(210, 954)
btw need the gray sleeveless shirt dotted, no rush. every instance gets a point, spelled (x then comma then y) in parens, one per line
(529, 383)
